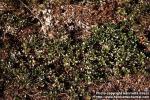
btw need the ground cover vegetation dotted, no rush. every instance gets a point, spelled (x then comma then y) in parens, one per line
(58, 58)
